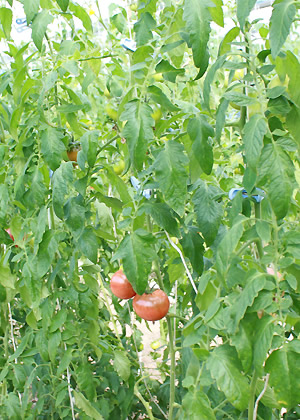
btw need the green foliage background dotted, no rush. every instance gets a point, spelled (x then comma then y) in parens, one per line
(230, 263)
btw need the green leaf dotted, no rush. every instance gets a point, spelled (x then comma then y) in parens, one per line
(46, 253)
(170, 73)
(65, 361)
(225, 368)
(197, 16)
(122, 364)
(81, 14)
(52, 147)
(7, 279)
(39, 27)
(58, 320)
(244, 8)
(263, 340)
(137, 254)
(225, 45)
(54, 342)
(254, 284)
(200, 133)
(227, 246)
(138, 130)
(208, 211)
(21, 347)
(159, 97)
(192, 245)
(143, 29)
(208, 82)
(171, 175)
(37, 193)
(221, 117)
(89, 144)
(86, 406)
(75, 215)
(88, 244)
(4, 201)
(253, 135)
(243, 344)
(62, 178)
(216, 12)
(281, 20)
(31, 8)
(276, 176)
(284, 368)
(162, 215)
(196, 405)
(63, 4)
(239, 98)
(6, 20)
(120, 185)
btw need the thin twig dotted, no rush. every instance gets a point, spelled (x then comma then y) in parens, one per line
(141, 367)
(183, 262)
(260, 397)
(96, 58)
(13, 342)
(68, 376)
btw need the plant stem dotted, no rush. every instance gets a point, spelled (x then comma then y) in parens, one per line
(171, 348)
(107, 143)
(172, 369)
(258, 242)
(109, 309)
(252, 395)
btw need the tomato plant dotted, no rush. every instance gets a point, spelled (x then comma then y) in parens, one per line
(200, 100)
(120, 286)
(151, 306)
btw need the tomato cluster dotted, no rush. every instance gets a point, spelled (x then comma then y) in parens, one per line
(149, 306)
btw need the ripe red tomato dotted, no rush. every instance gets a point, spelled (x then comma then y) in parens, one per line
(120, 286)
(152, 306)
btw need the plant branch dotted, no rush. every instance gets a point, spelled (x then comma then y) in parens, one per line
(252, 396)
(97, 58)
(183, 262)
(260, 397)
(141, 367)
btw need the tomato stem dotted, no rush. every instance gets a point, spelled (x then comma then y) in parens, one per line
(172, 369)
(252, 395)
(259, 241)
(171, 348)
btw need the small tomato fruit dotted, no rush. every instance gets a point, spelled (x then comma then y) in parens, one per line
(120, 286)
(119, 167)
(158, 77)
(157, 114)
(155, 344)
(107, 93)
(111, 112)
(152, 306)
(72, 155)
(133, 7)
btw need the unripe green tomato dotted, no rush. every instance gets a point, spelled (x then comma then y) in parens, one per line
(238, 75)
(157, 114)
(119, 167)
(111, 112)
(155, 344)
(107, 93)
(158, 77)
(141, 347)
(133, 7)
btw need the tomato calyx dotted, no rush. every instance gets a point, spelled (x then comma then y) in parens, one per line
(152, 306)
(120, 286)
